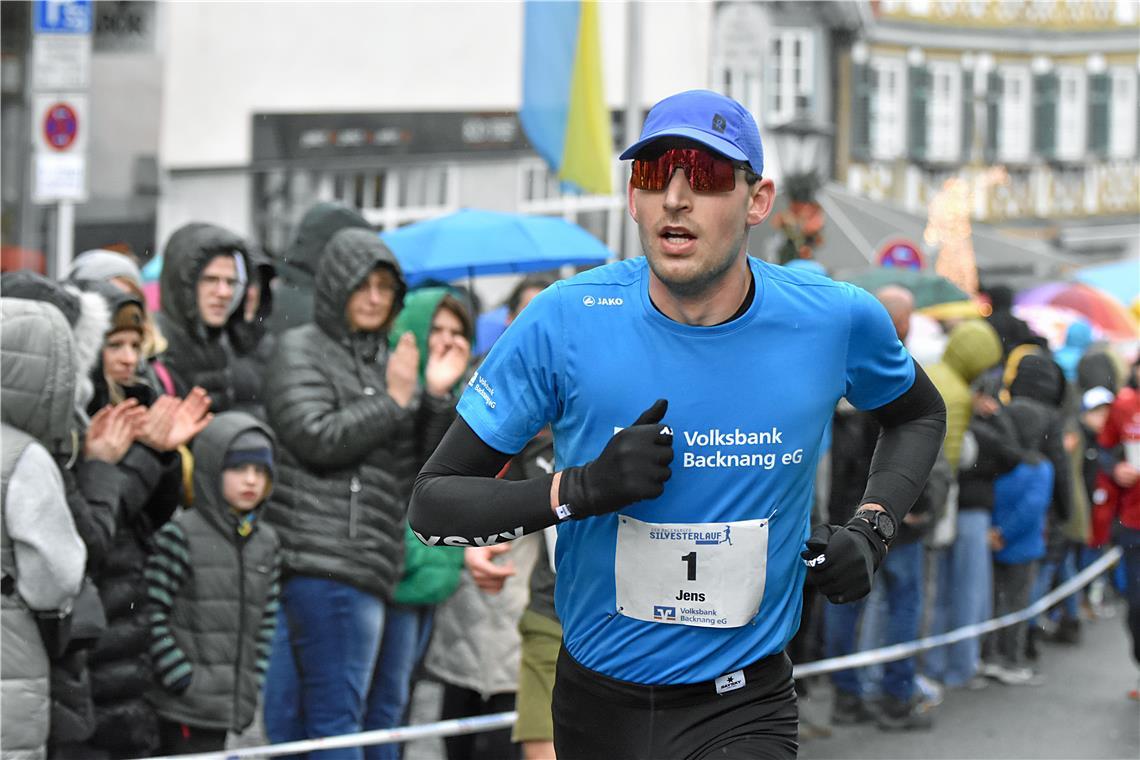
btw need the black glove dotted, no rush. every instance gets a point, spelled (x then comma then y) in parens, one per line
(633, 466)
(841, 561)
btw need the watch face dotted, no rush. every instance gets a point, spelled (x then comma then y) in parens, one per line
(885, 524)
(882, 523)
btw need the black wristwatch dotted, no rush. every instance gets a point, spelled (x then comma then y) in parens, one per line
(881, 522)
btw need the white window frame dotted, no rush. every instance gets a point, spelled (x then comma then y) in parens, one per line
(781, 71)
(1015, 117)
(944, 112)
(1122, 113)
(540, 193)
(743, 85)
(442, 179)
(1072, 113)
(888, 109)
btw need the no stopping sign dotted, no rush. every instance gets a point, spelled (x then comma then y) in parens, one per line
(60, 126)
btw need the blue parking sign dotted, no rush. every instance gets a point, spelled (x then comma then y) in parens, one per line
(63, 17)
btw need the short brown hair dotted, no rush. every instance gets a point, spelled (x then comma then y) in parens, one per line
(453, 304)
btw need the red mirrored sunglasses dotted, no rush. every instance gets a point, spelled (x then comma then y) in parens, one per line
(706, 171)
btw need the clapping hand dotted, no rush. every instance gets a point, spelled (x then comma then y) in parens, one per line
(447, 362)
(112, 430)
(172, 422)
(402, 369)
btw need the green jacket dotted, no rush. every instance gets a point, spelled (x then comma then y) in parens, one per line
(431, 574)
(973, 347)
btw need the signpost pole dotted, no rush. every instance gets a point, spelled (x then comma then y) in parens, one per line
(64, 236)
(61, 69)
(631, 245)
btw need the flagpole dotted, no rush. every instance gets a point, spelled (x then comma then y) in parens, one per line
(631, 246)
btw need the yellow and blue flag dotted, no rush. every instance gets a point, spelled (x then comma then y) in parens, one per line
(564, 111)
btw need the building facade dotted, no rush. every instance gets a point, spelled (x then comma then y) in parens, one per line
(246, 114)
(1031, 105)
(403, 110)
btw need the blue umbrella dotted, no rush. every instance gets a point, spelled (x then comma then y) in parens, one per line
(1119, 278)
(473, 242)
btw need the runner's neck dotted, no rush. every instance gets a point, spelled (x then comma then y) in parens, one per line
(740, 311)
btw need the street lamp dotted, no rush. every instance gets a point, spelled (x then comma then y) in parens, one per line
(802, 145)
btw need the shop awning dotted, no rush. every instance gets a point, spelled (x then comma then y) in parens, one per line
(856, 226)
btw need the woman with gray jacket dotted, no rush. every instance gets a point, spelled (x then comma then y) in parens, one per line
(353, 424)
(41, 553)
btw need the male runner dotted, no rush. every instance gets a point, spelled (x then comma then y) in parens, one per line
(688, 392)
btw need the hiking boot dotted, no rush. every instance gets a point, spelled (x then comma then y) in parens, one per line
(1068, 631)
(1019, 676)
(991, 670)
(1031, 638)
(810, 730)
(897, 715)
(931, 693)
(976, 683)
(850, 709)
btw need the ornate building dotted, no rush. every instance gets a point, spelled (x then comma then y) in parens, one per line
(1032, 104)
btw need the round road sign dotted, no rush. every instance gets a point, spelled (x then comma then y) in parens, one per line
(900, 252)
(61, 126)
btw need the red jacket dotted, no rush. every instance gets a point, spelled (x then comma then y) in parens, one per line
(1123, 428)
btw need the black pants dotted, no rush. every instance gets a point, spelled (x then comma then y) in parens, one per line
(464, 703)
(180, 739)
(596, 716)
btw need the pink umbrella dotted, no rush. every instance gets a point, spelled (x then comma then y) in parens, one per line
(1052, 322)
(1098, 307)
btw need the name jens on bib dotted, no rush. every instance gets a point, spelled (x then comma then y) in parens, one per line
(709, 575)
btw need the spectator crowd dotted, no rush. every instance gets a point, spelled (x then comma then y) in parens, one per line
(204, 507)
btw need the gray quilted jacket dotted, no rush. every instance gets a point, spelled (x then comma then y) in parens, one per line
(41, 554)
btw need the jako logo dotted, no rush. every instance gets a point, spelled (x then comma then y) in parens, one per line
(591, 301)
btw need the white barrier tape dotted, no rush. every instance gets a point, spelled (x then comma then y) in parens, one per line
(504, 720)
(454, 727)
(899, 651)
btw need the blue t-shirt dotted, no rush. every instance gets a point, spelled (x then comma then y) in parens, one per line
(748, 404)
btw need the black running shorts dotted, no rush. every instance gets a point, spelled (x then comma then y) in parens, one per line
(600, 717)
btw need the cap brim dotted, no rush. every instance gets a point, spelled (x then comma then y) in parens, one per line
(719, 144)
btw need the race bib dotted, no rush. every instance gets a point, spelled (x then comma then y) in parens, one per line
(709, 575)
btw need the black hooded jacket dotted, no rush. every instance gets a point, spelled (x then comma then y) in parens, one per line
(120, 669)
(297, 267)
(1040, 378)
(197, 354)
(1012, 331)
(349, 452)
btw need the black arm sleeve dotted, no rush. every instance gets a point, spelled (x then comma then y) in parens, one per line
(914, 425)
(458, 501)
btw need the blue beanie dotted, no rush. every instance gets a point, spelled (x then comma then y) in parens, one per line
(251, 447)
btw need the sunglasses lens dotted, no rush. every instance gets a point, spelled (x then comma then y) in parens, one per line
(723, 175)
(706, 172)
(650, 174)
